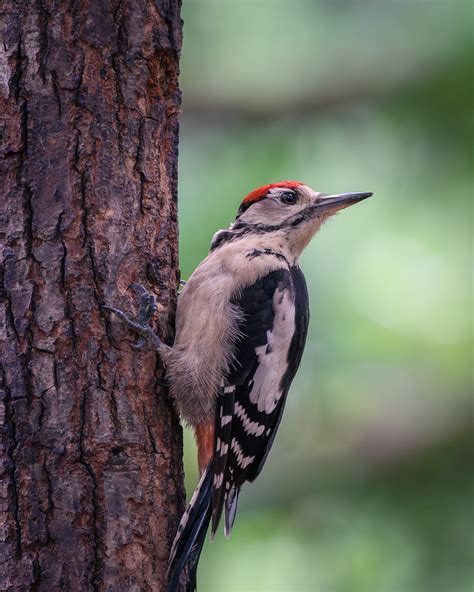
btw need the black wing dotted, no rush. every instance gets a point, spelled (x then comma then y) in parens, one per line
(276, 314)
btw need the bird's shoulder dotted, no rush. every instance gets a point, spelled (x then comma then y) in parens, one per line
(233, 267)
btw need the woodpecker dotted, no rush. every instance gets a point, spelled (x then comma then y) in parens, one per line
(241, 326)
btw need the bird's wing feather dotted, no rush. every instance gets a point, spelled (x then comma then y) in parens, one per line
(249, 409)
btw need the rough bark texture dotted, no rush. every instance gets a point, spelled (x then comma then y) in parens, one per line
(90, 459)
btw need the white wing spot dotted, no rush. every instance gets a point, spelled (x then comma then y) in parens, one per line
(266, 391)
(225, 419)
(251, 427)
(242, 460)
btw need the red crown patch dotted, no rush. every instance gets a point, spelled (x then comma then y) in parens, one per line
(261, 192)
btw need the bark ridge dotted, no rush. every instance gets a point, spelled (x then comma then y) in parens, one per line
(90, 460)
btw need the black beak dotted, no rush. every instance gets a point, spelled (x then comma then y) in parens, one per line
(339, 202)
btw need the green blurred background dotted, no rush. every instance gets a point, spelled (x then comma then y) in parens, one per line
(369, 487)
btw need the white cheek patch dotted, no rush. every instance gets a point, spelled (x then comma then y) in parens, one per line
(273, 357)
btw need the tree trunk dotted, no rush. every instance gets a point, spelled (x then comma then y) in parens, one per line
(90, 459)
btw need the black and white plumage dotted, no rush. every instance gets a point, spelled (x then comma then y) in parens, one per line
(241, 326)
(273, 328)
(249, 408)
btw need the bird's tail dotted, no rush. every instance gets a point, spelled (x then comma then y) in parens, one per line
(189, 540)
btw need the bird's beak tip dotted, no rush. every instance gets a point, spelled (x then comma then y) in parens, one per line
(340, 201)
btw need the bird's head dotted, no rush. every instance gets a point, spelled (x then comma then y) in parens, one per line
(291, 210)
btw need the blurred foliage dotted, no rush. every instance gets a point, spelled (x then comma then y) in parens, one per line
(369, 487)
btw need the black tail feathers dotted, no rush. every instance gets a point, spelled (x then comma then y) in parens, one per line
(191, 535)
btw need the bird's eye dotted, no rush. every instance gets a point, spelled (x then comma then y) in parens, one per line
(288, 198)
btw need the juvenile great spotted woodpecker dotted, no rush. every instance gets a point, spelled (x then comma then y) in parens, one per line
(241, 327)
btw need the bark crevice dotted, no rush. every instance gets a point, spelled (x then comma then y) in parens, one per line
(90, 446)
(94, 575)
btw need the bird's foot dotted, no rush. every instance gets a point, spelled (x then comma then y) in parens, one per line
(146, 335)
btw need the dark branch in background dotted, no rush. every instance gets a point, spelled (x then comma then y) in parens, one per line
(333, 97)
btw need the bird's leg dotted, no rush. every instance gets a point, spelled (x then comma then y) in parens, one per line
(141, 326)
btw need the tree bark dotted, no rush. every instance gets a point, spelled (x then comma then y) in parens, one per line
(90, 459)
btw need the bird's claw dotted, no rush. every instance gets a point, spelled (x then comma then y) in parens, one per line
(139, 343)
(130, 324)
(138, 289)
(140, 326)
(147, 303)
